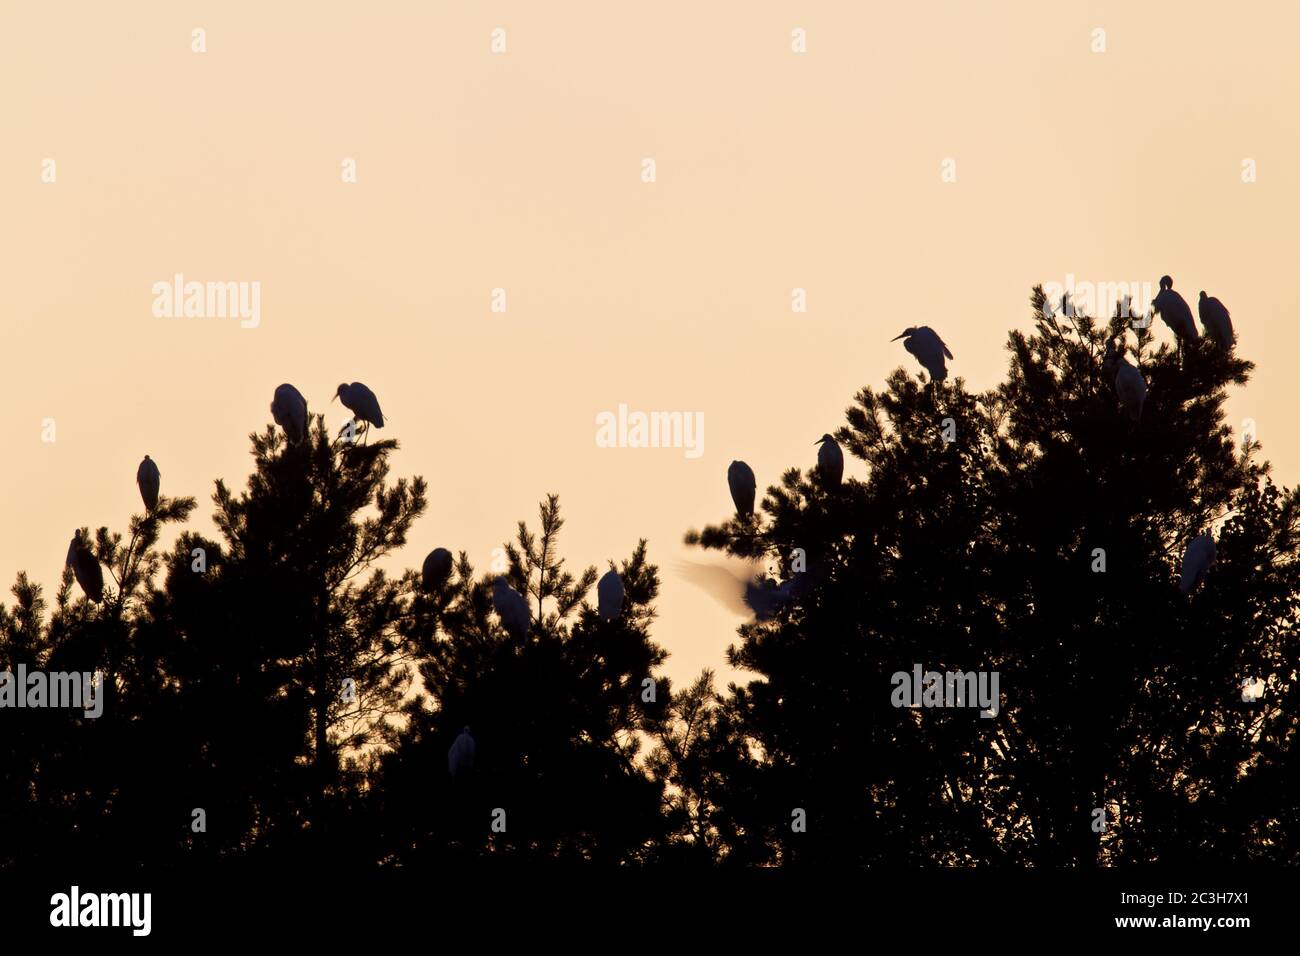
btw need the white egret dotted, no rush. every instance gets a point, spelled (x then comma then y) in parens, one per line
(289, 409)
(924, 343)
(511, 608)
(1216, 321)
(609, 595)
(1197, 560)
(361, 402)
(741, 481)
(830, 461)
(1130, 386)
(460, 756)
(148, 478)
(86, 569)
(437, 569)
(1173, 309)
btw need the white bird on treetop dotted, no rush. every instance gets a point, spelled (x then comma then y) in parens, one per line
(741, 481)
(361, 402)
(511, 608)
(830, 460)
(609, 595)
(437, 569)
(1173, 309)
(86, 569)
(289, 409)
(148, 478)
(1216, 321)
(924, 343)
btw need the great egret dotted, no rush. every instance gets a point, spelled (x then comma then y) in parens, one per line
(830, 461)
(148, 478)
(511, 608)
(437, 569)
(460, 756)
(924, 343)
(1197, 560)
(1130, 386)
(1216, 321)
(1173, 309)
(609, 595)
(289, 409)
(361, 402)
(740, 479)
(86, 568)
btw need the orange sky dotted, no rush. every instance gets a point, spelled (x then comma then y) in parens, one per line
(522, 171)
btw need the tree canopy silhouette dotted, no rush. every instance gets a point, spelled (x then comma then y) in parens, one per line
(1035, 531)
(271, 693)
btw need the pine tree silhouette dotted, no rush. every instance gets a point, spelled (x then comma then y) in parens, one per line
(985, 553)
(556, 716)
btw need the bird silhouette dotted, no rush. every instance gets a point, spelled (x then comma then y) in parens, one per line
(436, 570)
(511, 608)
(830, 461)
(1216, 321)
(924, 343)
(361, 402)
(460, 756)
(1174, 311)
(1197, 560)
(1130, 386)
(86, 569)
(741, 481)
(289, 409)
(609, 595)
(148, 478)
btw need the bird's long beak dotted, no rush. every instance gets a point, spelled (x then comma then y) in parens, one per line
(334, 396)
(899, 336)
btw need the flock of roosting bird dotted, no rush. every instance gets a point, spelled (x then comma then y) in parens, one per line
(930, 351)
(289, 409)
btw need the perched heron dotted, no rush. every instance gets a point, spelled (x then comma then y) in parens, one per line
(511, 608)
(361, 402)
(289, 409)
(437, 569)
(740, 478)
(148, 478)
(85, 566)
(1216, 321)
(460, 756)
(924, 343)
(1130, 386)
(830, 461)
(1197, 560)
(1173, 309)
(609, 595)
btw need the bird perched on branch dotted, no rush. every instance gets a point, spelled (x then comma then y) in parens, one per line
(361, 402)
(830, 461)
(289, 409)
(1216, 321)
(924, 343)
(743, 485)
(148, 478)
(86, 569)
(1174, 311)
